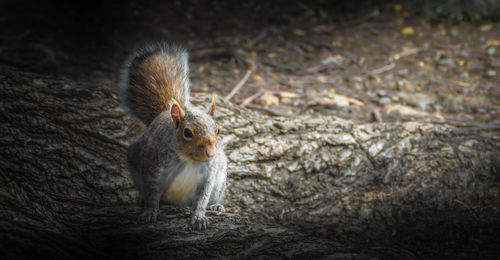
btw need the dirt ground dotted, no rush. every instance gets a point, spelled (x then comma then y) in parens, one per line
(375, 64)
(384, 63)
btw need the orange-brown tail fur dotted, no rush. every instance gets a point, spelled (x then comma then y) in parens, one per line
(151, 78)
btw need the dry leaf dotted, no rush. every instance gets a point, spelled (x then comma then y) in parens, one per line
(337, 59)
(272, 55)
(257, 78)
(299, 32)
(408, 31)
(336, 100)
(442, 31)
(322, 79)
(322, 28)
(409, 111)
(288, 94)
(491, 43)
(268, 99)
(404, 110)
(486, 27)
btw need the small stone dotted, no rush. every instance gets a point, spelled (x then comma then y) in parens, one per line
(382, 93)
(491, 51)
(384, 101)
(447, 62)
(357, 85)
(491, 73)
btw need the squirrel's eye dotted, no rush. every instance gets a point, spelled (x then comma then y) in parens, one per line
(188, 133)
(218, 131)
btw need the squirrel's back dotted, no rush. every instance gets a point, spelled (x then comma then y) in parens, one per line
(151, 78)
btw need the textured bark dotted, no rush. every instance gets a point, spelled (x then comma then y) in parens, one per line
(303, 186)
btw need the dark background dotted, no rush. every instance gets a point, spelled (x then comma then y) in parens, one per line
(96, 33)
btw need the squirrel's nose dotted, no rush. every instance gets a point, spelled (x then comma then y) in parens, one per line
(210, 151)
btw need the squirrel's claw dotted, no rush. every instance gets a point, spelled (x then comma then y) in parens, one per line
(149, 216)
(199, 223)
(217, 207)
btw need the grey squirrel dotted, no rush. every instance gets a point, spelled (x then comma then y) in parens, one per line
(178, 158)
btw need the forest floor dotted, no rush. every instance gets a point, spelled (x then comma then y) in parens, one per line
(377, 66)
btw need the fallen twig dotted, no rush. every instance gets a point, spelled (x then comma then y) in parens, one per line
(251, 98)
(383, 69)
(405, 53)
(259, 37)
(313, 69)
(278, 65)
(239, 85)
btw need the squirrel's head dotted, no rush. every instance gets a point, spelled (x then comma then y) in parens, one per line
(197, 133)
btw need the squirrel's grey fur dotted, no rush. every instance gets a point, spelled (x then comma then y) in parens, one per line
(154, 159)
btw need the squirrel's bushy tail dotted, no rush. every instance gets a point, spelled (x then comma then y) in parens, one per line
(151, 78)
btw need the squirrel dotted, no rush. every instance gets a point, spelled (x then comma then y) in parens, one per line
(177, 159)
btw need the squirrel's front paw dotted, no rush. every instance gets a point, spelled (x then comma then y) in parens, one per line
(199, 223)
(217, 207)
(149, 216)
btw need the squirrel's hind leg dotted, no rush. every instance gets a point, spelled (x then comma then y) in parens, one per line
(150, 198)
(150, 208)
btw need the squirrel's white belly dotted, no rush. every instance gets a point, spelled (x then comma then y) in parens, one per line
(184, 185)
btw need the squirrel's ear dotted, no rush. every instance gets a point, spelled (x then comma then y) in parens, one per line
(176, 113)
(211, 111)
